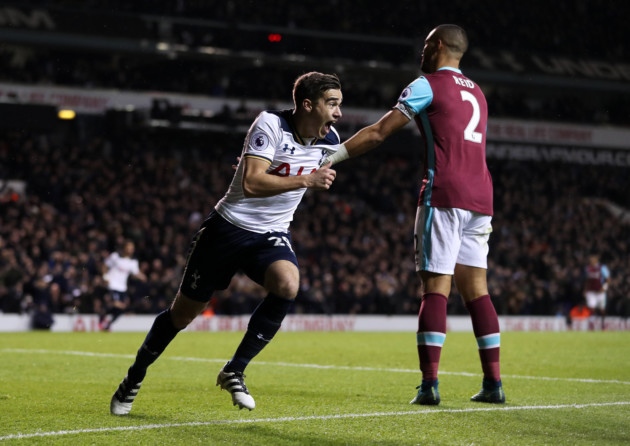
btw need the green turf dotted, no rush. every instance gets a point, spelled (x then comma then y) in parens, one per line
(567, 388)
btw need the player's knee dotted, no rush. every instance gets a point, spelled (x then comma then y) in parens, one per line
(286, 288)
(184, 311)
(283, 280)
(181, 319)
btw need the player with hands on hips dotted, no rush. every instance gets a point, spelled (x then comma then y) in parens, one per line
(455, 208)
(248, 230)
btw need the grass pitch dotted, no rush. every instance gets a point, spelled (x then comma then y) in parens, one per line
(563, 388)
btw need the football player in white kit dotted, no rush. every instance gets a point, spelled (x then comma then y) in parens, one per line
(248, 230)
(119, 267)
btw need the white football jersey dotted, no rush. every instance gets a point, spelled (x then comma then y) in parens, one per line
(271, 138)
(118, 271)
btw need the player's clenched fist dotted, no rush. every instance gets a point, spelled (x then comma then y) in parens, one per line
(323, 177)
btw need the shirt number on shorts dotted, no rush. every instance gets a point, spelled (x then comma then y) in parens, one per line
(281, 241)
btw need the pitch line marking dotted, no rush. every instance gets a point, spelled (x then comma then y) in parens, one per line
(306, 418)
(311, 366)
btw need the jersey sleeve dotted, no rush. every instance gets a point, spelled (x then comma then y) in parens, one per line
(264, 136)
(110, 261)
(416, 97)
(135, 267)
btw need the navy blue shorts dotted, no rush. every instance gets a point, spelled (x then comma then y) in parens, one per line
(219, 249)
(120, 296)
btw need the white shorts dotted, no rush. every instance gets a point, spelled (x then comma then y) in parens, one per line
(595, 299)
(446, 236)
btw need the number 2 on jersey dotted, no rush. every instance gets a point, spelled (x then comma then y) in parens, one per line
(469, 132)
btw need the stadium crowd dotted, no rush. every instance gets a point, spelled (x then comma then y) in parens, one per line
(353, 242)
(88, 194)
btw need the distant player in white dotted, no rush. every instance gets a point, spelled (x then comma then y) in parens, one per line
(118, 270)
(249, 230)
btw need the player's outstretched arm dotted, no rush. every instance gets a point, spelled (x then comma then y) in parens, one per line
(370, 137)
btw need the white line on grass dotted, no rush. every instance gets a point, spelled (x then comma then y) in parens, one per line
(306, 418)
(310, 366)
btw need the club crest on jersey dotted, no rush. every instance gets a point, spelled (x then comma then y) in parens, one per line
(286, 147)
(260, 141)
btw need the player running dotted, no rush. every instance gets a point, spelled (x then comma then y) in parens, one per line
(249, 230)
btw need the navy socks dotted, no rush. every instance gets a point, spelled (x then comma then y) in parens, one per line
(263, 326)
(161, 334)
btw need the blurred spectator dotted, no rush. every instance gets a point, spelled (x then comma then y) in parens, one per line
(580, 312)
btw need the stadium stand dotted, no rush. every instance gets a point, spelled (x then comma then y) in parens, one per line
(72, 190)
(528, 62)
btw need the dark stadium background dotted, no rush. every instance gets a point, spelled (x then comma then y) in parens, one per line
(73, 189)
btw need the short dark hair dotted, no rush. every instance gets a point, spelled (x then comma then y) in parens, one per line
(453, 36)
(313, 85)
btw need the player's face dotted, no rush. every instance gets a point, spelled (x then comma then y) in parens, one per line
(326, 112)
(129, 249)
(429, 53)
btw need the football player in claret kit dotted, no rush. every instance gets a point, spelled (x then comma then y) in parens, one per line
(455, 208)
(248, 230)
(596, 280)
